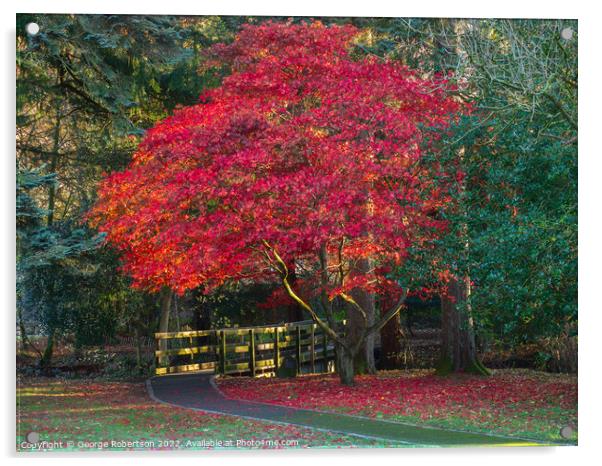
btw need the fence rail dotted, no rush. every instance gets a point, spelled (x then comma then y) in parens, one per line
(297, 346)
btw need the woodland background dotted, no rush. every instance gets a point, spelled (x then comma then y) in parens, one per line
(88, 86)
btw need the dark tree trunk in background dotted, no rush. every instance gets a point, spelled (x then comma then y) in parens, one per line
(25, 341)
(165, 301)
(390, 341)
(176, 312)
(46, 360)
(458, 350)
(396, 350)
(201, 310)
(202, 317)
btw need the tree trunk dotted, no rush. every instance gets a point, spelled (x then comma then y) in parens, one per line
(396, 350)
(458, 350)
(165, 299)
(369, 351)
(345, 365)
(25, 342)
(46, 359)
(202, 311)
(390, 341)
(364, 359)
(54, 158)
(353, 333)
(176, 312)
(349, 342)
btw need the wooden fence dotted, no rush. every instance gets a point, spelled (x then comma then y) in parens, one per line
(298, 346)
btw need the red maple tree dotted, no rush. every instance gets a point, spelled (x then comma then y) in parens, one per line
(305, 157)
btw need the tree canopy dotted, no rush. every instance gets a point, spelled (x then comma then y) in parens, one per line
(301, 148)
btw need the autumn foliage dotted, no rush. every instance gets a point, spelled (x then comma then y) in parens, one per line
(304, 148)
(512, 401)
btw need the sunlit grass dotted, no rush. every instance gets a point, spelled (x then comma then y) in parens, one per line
(83, 414)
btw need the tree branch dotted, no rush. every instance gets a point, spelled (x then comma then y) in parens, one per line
(284, 272)
(354, 303)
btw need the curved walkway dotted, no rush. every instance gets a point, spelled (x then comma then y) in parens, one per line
(198, 392)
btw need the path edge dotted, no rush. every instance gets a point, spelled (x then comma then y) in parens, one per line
(151, 393)
(538, 443)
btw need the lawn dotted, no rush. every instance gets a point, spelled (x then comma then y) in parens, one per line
(521, 403)
(93, 415)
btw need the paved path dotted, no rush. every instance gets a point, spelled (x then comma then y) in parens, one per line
(196, 391)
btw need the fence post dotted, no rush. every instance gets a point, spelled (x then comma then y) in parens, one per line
(252, 352)
(222, 353)
(276, 350)
(298, 349)
(157, 358)
(213, 339)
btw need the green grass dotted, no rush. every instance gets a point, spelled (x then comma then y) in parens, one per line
(536, 424)
(93, 415)
(541, 424)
